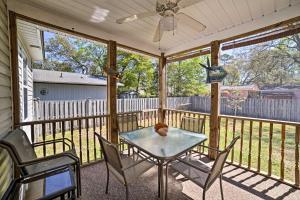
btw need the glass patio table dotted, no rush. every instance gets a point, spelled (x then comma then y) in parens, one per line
(164, 149)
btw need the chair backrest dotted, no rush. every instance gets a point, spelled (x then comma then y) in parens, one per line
(192, 124)
(111, 155)
(218, 165)
(17, 143)
(127, 122)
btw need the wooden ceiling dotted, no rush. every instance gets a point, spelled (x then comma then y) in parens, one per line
(223, 18)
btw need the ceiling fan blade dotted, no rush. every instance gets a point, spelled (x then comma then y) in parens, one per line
(135, 17)
(158, 33)
(187, 3)
(191, 22)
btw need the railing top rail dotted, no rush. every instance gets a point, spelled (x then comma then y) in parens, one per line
(186, 111)
(261, 120)
(242, 118)
(59, 120)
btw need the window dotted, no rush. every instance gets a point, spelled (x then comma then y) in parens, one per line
(25, 99)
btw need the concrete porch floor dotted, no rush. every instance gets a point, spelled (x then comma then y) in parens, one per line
(238, 184)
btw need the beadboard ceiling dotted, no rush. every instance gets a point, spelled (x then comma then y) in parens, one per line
(223, 18)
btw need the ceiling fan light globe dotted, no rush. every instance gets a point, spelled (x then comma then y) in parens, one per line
(168, 23)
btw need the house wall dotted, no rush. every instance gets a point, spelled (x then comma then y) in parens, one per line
(5, 97)
(68, 91)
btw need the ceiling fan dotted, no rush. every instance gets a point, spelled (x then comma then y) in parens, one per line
(169, 10)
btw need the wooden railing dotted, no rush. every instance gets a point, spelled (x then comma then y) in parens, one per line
(80, 130)
(268, 147)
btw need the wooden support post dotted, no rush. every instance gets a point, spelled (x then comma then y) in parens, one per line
(215, 103)
(162, 87)
(112, 92)
(14, 68)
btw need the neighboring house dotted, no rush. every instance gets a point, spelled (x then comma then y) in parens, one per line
(244, 90)
(128, 95)
(55, 85)
(283, 92)
(29, 50)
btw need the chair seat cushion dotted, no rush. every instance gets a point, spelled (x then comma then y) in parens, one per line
(197, 176)
(51, 164)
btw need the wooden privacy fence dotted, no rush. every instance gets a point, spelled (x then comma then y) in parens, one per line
(276, 109)
(45, 110)
(268, 147)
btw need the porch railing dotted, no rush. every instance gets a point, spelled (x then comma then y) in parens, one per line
(80, 130)
(268, 147)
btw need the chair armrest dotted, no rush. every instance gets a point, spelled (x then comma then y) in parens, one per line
(136, 163)
(192, 165)
(62, 140)
(211, 148)
(47, 158)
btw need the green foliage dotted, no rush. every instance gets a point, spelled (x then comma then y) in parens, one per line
(139, 73)
(187, 78)
(272, 63)
(74, 55)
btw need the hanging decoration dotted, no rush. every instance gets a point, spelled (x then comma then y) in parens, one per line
(214, 73)
(111, 72)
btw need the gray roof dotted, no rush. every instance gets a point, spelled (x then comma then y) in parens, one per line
(46, 76)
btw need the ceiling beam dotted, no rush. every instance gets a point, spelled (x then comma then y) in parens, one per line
(261, 39)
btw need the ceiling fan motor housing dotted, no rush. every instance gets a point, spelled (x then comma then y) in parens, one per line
(166, 8)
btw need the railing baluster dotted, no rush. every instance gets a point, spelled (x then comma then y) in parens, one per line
(72, 131)
(32, 133)
(44, 138)
(241, 143)
(270, 150)
(87, 140)
(250, 144)
(219, 132)
(94, 137)
(80, 141)
(54, 136)
(63, 134)
(233, 135)
(101, 155)
(282, 151)
(297, 138)
(226, 132)
(259, 146)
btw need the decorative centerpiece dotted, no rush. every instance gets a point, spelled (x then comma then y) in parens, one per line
(161, 129)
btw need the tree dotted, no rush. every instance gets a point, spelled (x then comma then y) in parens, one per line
(272, 63)
(186, 78)
(75, 55)
(138, 73)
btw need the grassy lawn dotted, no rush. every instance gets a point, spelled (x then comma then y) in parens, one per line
(90, 147)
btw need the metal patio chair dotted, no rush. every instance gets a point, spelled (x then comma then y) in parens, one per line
(126, 169)
(192, 124)
(30, 166)
(199, 172)
(126, 123)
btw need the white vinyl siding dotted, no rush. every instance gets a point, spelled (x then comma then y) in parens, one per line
(5, 97)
